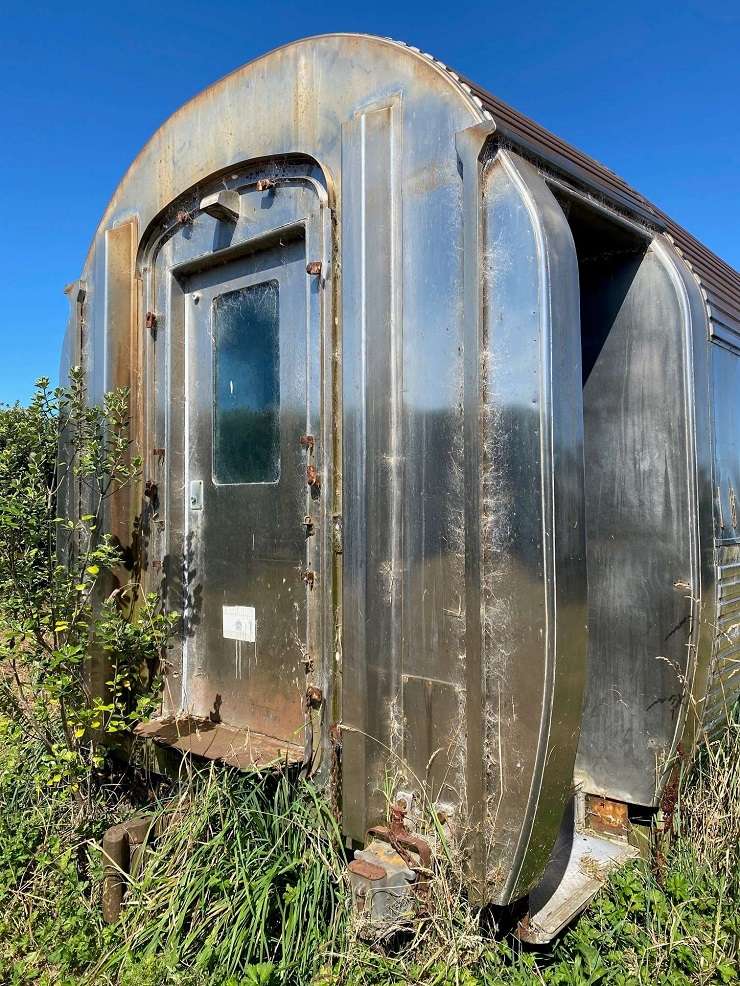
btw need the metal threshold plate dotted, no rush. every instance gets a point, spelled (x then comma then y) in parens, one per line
(240, 748)
(580, 872)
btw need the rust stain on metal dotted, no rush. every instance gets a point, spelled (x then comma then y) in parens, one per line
(366, 870)
(307, 441)
(314, 697)
(335, 771)
(314, 481)
(397, 815)
(404, 842)
(669, 799)
(607, 816)
(240, 748)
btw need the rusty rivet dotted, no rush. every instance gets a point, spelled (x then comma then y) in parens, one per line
(314, 697)
(313, 268)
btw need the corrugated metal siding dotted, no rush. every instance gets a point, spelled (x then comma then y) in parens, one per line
(724, 687)
(719, 282)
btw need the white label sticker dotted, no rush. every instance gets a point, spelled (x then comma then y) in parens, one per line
(239, 623)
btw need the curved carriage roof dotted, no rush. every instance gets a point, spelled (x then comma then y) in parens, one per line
(720, 283)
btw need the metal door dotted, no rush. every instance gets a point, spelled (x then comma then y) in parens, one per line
(247, 461)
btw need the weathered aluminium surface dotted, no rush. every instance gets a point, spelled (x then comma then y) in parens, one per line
(439, 421)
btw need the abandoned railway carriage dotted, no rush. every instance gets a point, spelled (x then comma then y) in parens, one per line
(439, 421)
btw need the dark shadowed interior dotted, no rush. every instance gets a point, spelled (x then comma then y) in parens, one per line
(637, 505)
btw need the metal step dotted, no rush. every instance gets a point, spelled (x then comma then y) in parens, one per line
(579, 867)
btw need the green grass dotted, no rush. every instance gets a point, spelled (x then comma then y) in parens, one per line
(244, 886)
(245, 875)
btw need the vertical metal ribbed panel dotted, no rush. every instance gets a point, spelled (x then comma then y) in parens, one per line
(724, 683)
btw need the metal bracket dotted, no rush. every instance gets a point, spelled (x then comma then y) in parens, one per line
(223, 205)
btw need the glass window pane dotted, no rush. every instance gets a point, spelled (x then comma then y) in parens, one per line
(246, 412)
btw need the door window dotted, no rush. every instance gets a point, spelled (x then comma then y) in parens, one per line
(246, 386)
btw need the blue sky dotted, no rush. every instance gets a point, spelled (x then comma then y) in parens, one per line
(652, 89)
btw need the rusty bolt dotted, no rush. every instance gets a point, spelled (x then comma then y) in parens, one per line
(313, 268)
(397, 814)
(314, 697)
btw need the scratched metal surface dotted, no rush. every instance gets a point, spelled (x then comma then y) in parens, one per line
(446, 626)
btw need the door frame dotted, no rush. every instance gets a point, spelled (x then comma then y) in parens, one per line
(176, 245)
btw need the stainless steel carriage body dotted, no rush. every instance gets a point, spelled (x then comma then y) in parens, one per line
(438, 420)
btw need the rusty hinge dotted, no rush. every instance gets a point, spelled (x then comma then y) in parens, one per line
(313, 267)
(314, 481)
(314, 697)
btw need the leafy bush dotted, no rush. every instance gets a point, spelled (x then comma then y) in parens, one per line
(63, 590)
